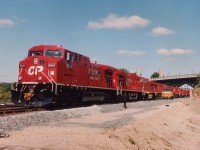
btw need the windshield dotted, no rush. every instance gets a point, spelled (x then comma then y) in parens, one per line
(56, 53)
(35, 53)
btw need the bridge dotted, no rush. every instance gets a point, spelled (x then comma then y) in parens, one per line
(179, 80)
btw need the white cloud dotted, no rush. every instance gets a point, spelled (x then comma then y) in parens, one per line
(112, 21)
(176, 51)
(5, 22)
(130, 53)
(20, 20)
(161, 31)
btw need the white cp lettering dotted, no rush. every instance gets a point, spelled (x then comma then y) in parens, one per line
(33, 70)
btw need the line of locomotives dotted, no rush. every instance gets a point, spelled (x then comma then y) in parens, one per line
(51, 74)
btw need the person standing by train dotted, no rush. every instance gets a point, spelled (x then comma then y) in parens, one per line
(125, 99)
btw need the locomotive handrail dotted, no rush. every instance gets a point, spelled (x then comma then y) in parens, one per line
(48, 79)
(20, 71)
(54, 82)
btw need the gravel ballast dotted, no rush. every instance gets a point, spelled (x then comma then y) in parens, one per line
(18, 122)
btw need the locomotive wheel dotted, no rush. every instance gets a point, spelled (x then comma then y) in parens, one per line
(145, 97)
(136, 96)
(79, 99)
(60, 100)
(119, 98)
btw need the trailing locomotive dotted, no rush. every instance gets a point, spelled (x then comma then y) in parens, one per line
(53, 74)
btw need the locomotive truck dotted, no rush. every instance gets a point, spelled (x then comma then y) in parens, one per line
(52, 74)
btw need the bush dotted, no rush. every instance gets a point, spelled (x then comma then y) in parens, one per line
(5, 94)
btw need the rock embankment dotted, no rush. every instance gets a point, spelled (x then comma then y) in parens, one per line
(196, 93)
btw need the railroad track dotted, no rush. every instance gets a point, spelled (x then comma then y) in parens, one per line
(10, 109)
(14, 110)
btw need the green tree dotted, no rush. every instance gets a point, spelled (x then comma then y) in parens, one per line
(155, 75)
(125, 70)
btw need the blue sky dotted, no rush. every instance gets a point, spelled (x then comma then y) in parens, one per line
(148, 34)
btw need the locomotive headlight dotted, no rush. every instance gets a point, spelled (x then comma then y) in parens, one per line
(35, 60)
(51, 73)
(39, 78)
(19, 78)
(22, 65)
(51, 65)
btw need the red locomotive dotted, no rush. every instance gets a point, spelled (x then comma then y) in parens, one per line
(53, 74)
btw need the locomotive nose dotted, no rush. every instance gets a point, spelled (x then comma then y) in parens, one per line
(32, 69)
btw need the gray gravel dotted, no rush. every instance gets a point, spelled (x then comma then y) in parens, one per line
(18, 122)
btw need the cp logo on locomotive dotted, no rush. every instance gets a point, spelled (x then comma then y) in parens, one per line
(33, 70)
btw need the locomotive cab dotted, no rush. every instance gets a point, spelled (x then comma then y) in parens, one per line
(40, 66)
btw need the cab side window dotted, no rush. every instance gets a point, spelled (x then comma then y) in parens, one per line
(69, 59)
(77, 57)
(35, 53)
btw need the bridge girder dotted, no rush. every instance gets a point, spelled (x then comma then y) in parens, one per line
(179, 82)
